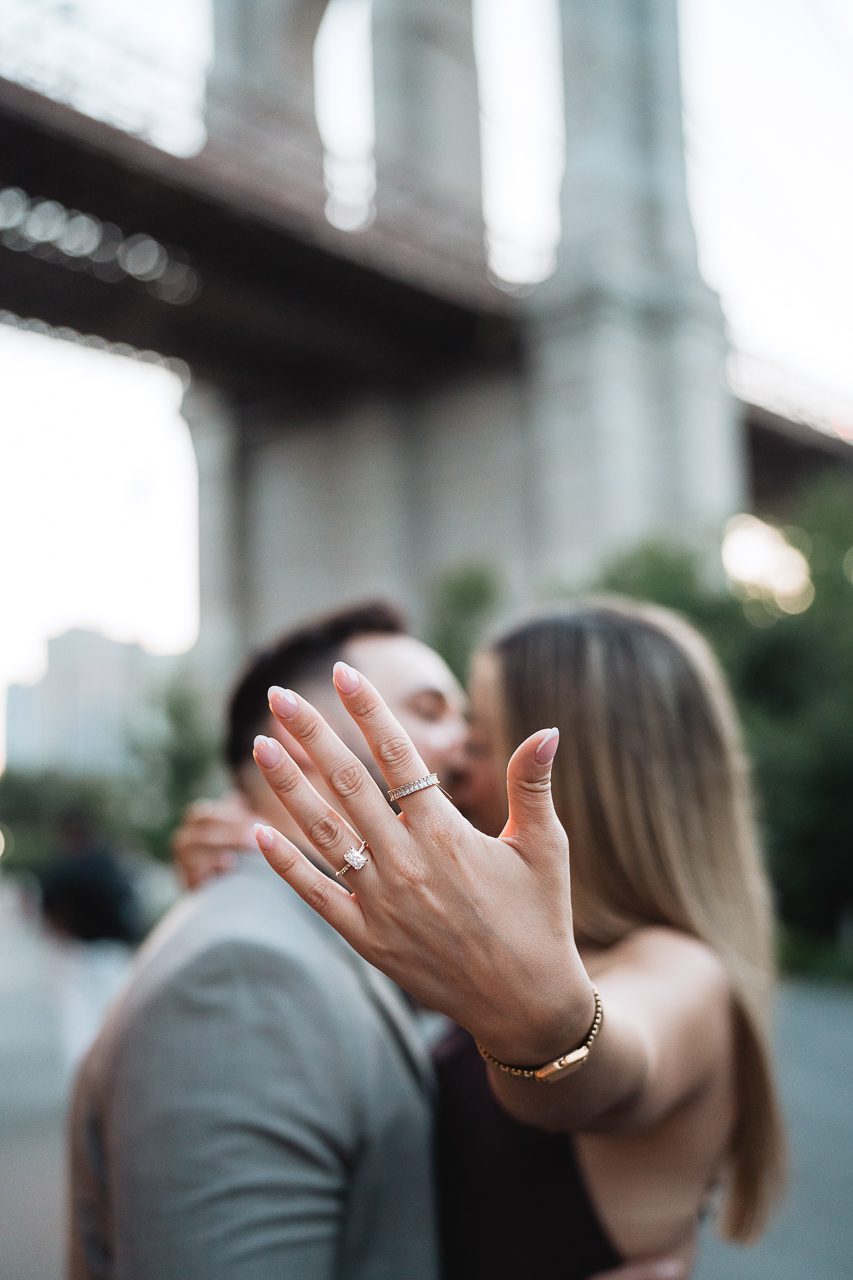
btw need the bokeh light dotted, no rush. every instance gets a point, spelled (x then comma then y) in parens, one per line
(764, 564)
(81, 241)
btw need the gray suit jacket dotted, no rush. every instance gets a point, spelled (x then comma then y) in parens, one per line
(257, 1106)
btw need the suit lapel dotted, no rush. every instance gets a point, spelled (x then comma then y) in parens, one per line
(401, 1019)
(383, 994)
(389, 1000)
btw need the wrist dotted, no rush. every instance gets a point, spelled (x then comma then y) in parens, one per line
(547, 1031)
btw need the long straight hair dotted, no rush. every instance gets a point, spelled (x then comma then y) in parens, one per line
(652, 786)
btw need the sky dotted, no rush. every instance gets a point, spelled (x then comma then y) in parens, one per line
(768, 97)
(98, 502)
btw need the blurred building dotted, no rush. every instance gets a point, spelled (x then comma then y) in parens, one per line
(86, 714)
(379, 394)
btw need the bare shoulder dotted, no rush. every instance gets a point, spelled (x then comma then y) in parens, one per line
(659, 950)
(671, 993)
(675, 977)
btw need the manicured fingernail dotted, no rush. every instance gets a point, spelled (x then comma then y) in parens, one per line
(265, 836)
(548, 744)
(283, 702)
(267, 751)
(346, 678)
(669, 1271)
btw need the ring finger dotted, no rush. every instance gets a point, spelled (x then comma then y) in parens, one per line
(327, 832)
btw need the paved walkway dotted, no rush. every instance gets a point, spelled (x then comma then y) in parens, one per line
(813, 1236)
(32, 1104)
(812, 1239)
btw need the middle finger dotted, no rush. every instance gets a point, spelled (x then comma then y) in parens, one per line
(325, 829)
(347, 778)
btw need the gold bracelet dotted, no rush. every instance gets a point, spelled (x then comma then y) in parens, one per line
(554, 1070)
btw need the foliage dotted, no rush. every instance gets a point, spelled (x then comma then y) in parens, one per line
(32, 805)
(174, 757)
(809, 957)
(792, 677)
(464, 602)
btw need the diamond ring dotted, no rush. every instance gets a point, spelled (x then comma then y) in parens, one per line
(420, 784)
(354, 858)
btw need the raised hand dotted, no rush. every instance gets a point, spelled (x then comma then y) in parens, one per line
(477, 927)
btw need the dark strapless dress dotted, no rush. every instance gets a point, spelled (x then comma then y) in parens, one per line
(513, 1201)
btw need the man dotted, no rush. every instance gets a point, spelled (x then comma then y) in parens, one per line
(90, 908)
(258, 1105)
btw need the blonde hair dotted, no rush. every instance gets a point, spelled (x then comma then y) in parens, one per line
(653, 787)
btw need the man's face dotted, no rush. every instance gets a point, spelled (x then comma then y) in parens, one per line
(420, 690)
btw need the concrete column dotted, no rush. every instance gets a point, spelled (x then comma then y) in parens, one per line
(224, 630)
(467, 464)
(265, 49)
(427, 112)
(259, 112)
(328, 514)
(632, 432)
(709, 460)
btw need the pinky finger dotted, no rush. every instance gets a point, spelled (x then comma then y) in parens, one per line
(329, 899)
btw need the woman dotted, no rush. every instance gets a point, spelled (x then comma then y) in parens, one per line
(665, 925)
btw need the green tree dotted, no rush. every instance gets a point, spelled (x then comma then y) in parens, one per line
(175, 760)
(32, 804)
(792, 675)
(463, 603)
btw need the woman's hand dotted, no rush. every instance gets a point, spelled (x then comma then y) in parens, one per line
(476, 927)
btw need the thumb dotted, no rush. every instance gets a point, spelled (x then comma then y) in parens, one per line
(528, 783)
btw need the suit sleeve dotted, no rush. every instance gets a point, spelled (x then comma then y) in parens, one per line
(230, 1125)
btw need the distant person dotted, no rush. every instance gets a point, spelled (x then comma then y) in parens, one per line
(90, 908)
(85, 892)
(618, 993)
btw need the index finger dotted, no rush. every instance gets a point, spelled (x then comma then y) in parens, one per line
(390, 745)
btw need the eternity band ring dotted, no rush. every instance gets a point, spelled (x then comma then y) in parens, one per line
(420, 784)
(355, 858)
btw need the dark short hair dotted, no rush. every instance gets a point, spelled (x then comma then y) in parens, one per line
(298, 656)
